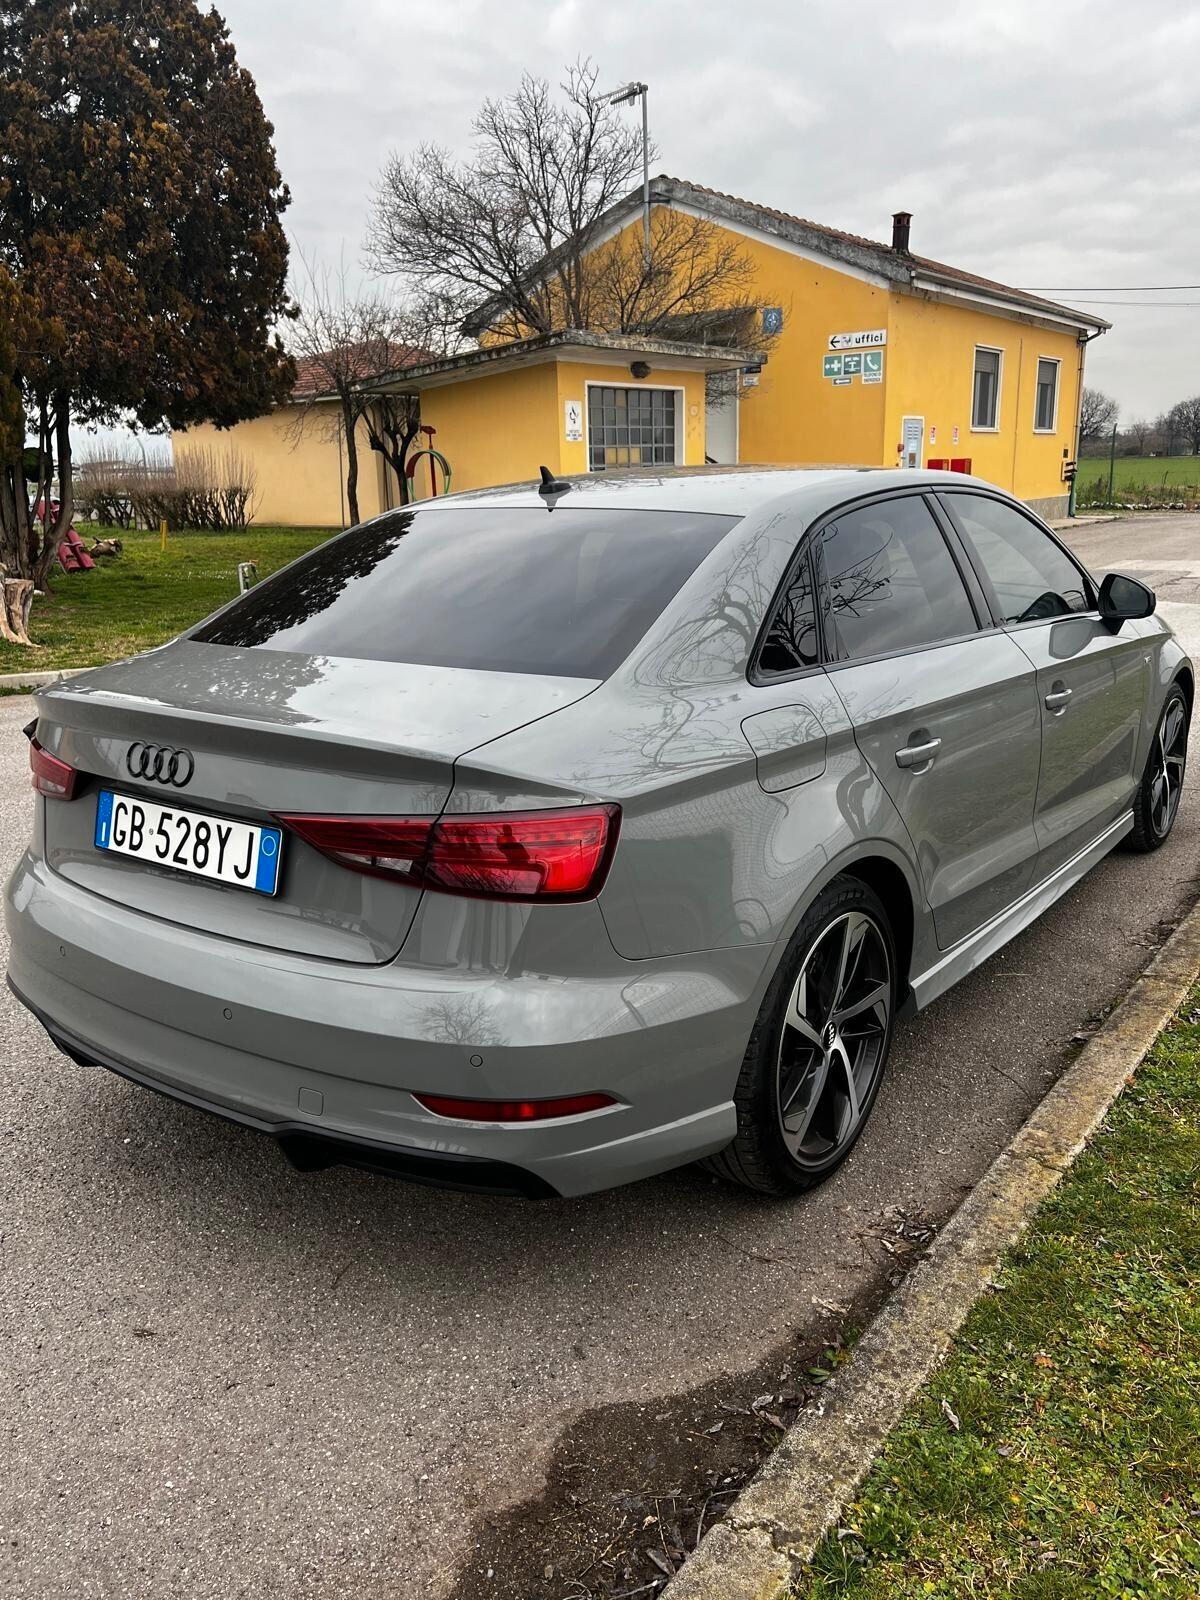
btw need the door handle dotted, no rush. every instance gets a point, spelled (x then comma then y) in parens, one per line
(1057, 699)
(918, 755)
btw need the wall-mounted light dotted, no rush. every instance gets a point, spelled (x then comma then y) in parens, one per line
(640, 369)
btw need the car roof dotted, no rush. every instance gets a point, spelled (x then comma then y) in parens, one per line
(725, 490)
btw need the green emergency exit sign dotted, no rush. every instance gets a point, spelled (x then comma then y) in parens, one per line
(866, 365)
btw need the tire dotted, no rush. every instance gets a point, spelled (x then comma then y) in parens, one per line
(804, 1093)
(1156, 804)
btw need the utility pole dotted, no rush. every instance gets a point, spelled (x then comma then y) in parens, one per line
(625, 95)
(1112, 462)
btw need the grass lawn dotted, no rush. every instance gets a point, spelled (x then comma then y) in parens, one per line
(1075, 1472)
(146, 595)
(1134, 475)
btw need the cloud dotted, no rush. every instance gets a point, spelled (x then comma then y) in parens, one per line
(1040, 143)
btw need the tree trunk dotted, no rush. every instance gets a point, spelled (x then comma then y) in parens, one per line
(52, 535)
(349, 421)
(14, 614)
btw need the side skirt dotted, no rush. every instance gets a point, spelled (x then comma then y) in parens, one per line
(974, 950)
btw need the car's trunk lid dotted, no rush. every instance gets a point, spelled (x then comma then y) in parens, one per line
(272, 732)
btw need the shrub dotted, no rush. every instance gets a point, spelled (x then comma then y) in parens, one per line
(208, 488)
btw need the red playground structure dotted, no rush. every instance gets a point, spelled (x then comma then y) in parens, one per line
(72, 553)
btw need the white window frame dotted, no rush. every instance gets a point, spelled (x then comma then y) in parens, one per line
(997, 351)
(616, 383)
(1056, 363)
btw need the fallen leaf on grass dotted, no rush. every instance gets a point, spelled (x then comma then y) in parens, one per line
(951, 1416)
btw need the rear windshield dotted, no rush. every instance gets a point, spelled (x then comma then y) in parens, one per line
(564, 592)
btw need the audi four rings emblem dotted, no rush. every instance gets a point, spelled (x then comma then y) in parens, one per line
(161, 763)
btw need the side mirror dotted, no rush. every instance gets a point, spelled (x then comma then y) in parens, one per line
(1122, 598)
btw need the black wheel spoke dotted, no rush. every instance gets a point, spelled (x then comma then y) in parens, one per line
(834, 1037)
(1166, 766)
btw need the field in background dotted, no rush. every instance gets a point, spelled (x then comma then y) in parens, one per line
(1139, 479)
(146, 595)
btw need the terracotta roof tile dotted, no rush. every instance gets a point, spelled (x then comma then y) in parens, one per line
(312, 376)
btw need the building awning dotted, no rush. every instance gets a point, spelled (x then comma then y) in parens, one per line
(572, 344)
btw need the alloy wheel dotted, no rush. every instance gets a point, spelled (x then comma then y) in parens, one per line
(834, 1039)
(1167, 759)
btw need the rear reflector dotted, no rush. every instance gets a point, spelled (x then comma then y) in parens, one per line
(533, 855)
(571, 1105)
(51, 777)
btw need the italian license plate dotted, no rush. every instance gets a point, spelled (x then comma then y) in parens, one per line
(220, 848)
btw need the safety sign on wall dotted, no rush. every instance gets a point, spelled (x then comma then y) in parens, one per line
(851, 364)
(574, 421)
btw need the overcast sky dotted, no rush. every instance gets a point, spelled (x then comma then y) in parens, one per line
(1039, 142)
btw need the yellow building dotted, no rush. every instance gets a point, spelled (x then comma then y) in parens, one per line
(496, 415)
(877, 356)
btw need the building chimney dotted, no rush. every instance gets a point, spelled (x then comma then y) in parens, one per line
(901, 223)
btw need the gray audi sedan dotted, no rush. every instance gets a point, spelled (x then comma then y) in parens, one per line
(538, 840)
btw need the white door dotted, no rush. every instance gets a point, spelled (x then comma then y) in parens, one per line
(721, 427)
(912, 432)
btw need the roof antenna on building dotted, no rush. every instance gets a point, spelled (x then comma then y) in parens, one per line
(551, 487)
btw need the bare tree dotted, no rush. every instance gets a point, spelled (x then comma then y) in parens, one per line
(1097, 415)
(542, 175)
(1137, 435)
(516, 229)
(424, 330)
(1166, 427)
(343, 344)
(1186, 417)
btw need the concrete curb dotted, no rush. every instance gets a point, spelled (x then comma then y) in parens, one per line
(1063, 524)
(34, 680)
(774, 1526)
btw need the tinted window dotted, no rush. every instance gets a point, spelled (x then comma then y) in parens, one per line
(1045, 407)
(563, 592)
(790, 642)
(986, 392)
(893, 583)
(1032, 577)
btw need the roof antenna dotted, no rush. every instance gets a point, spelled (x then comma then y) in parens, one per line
(551, 487)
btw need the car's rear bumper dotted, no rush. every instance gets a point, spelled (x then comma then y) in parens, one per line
(313, 1151)
(326, 1056)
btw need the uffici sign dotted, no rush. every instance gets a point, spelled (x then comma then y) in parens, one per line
(864, 339)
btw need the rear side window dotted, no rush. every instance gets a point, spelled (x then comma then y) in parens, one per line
(893, 584)
(565, 592)
(790, 642)
(1033, 578)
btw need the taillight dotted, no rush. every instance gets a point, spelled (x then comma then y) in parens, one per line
(533, 855)
(388, 847)
(51, 777)
(571, 1105)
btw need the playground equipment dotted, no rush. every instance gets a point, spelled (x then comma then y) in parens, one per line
(436, 459)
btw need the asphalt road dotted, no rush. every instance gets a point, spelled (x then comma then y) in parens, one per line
(221, 1378)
